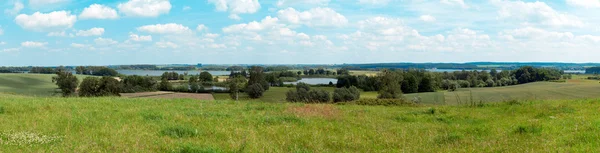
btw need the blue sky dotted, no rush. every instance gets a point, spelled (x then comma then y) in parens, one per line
(103, 32)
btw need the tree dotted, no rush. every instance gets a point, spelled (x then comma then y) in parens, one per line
(206, 77)
(235, 85)
(346, 94)
(165, 85)
(390, 88)
(105, 72)
(410, 84)
(255, 91)
(257, 76)
(299, 72)
(426, 85)
(90, 87)
(66, 82)
(311, 72)
(110, 86)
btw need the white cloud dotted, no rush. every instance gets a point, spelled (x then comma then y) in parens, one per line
(266, 23)
(18, 6)
(8, 50)
(57, 34)
(134, 37)
(427, 18)
(58, 20)
(170, 28)
(234, 16)
(97, 11)
(42, 3)
(374, 2)
(166, 44)
(584, 3)
(201, 27)
(33, 44)
(76, 45)
(104, 41)
(186, 8)
(460, 3)
(235, 7)
(287, 3)
(91, 32)
(145, 8)
(316, 17)
(535, 12)
(2, 43)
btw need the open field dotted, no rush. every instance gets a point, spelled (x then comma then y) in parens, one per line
(184, 125)
(274, 94)
(169, 95)
(29, 84)
(367, 73)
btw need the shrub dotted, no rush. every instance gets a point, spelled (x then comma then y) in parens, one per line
(94, 87)
(384, 102)
(303, 93)
(255, 91)
(206, 77)
(318, 96)
(165, 85)
(136, 83)
(179, 132)
(346, 94)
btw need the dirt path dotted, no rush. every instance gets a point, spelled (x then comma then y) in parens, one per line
(169, 95)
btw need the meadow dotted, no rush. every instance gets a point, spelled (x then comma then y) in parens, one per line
(34, 124)
(30, 84)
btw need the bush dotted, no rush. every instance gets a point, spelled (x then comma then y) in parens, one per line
(384, 102)
(346, 94)
(94, 87)
(318, 96)
(66, 82)
(206, 77)
(303, 93)
(255, 91)
(136, 83)
(165, 85)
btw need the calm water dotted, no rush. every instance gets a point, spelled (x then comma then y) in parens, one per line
(160, 72)
(453, 70)
(314, 81)
(575, 71)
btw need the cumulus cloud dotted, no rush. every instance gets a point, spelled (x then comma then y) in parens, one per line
(90, 32)
(266, 23)
(139, 38)
(427, 18)
(57, 20)
(145, 8)
(287, 3)
(166, 44)
(8, 50)
(316, 17)
(201, 27)
(97, 11)
(584, 3)
(18, 6)
(33, 44)
(535, 12)
(104, 41)
(460, 3)
(76, 45)
(374, 2)
(170, 28)
(236, 7)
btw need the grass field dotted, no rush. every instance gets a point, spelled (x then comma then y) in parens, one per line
(29, 84)
(274, 94)
(35, 124)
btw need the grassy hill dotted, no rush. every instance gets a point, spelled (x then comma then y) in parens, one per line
(29, 84)
(54, 124)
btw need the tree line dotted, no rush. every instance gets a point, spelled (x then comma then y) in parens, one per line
(96, 71)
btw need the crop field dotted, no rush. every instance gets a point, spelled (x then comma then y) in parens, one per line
(34, 124)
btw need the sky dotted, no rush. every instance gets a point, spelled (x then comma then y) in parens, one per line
(112, 32)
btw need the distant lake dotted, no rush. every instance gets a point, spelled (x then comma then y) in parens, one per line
(575, 71)
(160, 72)
(314, 81)
(454, 70)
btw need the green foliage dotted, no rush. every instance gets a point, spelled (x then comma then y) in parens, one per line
(346, 94)
(255, 91)
(179, 132)
(257, 76)
(165, 85)
(206, 77)
(390, 88)
(171, 76)
(188, 148)
(2, 111)
(235, 85)
(383, 102)
(66, 82)
(136, 83)
(305, 94)
(97, 87)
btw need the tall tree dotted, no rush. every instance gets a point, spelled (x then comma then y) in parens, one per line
(390, 88)
(66, 82)
(235, 85)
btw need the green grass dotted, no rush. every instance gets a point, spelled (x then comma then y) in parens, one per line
(184, 125)
(274, 94)
(29, 84)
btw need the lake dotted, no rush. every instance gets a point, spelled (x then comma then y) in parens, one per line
(314, 81)
(160, 72)
(454, 70)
